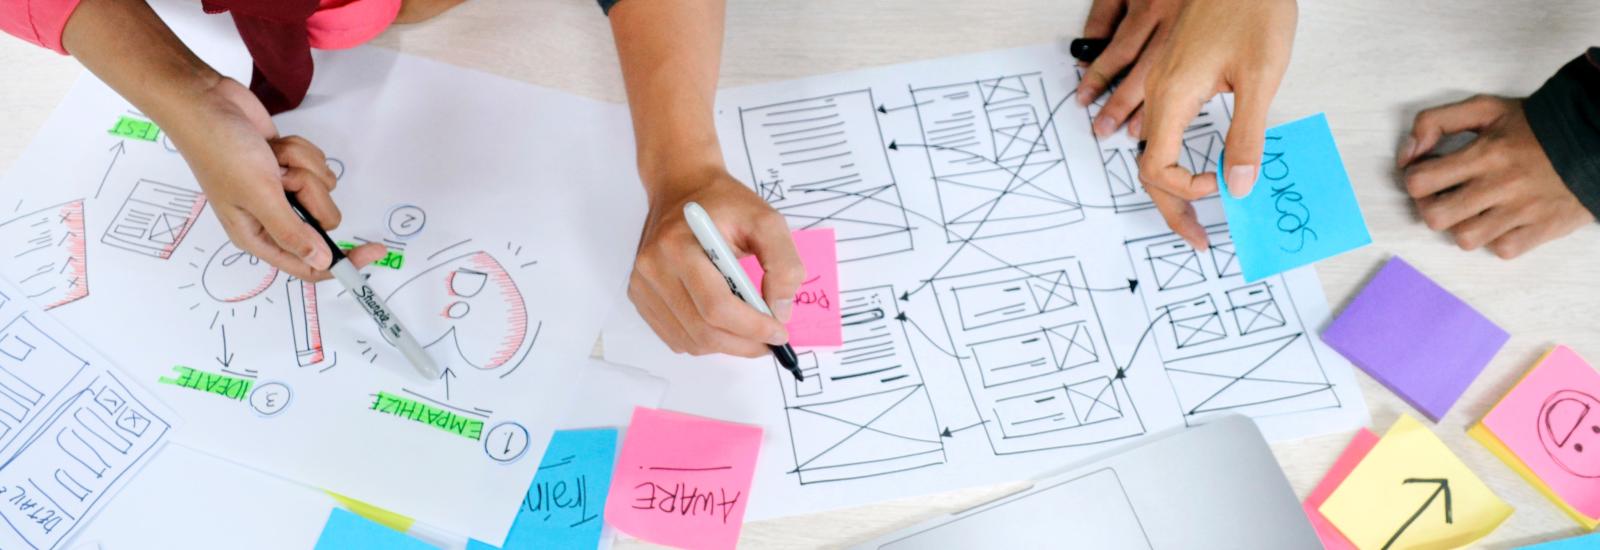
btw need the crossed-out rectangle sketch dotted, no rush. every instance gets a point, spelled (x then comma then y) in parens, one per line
(863, 410)
(1034, 357)
(997, 160)
(50, 261)
(821, 161)
(1227, 346)
(1119, 152)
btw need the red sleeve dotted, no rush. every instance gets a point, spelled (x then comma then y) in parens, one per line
(38, 21)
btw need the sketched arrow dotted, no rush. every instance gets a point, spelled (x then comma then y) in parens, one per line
(226, 359)
(1444, 487)
(1122, 372)
(446, 376)
(903, 320)
(883, 110)
(116, 152)
(952, 433)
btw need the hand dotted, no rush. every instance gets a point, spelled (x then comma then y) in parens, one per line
(1138, 30)
(1216, 46)
(680, 293)
(245, 168)
(1500, 191)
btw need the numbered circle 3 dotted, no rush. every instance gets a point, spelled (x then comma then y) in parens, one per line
(271, 398)
(506, 442)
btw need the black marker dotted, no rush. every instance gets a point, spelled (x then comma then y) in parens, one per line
(721, 256)
(1087, 49)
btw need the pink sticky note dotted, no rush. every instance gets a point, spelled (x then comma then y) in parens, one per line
(816, 306)
(1551, 421)
(683, 480)
(1352, 455)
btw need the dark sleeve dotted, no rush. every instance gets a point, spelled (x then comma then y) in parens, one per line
(1565, 117)
(605, 5)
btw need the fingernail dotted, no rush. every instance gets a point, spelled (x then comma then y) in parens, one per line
(1241, 179)
(318, 258)
(783, 309)
(1103, 126)
(778, 338)
(1135, 126)
(1084, 98)
(1408, 150)
(283, 171)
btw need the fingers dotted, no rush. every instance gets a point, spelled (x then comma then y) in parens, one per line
(1521, 239)
(772, 243)
(1126, 98)
(1125, 46)
(1484, 228)
(702, 338)
(365, 254)
(290, 233)
(1473, 113)
(1136, 124)
(723, 310)
(1445, 211)
(1243, 151)
(1181, 217)
(1103, 15)
(655, 313)
(250, 237)
(312, 193)
(1431, 176)
(1167, 112)
(296, 152)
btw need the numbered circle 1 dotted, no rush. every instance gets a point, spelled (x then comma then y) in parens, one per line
(406, 220)
(506, 442)
(270, 399)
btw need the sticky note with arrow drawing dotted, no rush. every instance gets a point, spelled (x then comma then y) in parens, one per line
(1412, 492)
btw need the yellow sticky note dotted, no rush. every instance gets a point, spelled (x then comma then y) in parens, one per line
(1412, 492)
(382, 517)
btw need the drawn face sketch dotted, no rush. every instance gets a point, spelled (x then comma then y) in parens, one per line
(1569, 427)
(479, 316)
(234, 275)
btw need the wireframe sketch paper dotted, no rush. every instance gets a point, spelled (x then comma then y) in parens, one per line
(1011, 301)
(816, 305)
(1233, 495)
(509, 234)
(73, 427)
(1303, 209)
(1542, 426)
(683, 480)
(1347, 461)
(1415, 337)
(1412, 492)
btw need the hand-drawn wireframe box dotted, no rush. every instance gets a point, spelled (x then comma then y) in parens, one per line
(154, 219)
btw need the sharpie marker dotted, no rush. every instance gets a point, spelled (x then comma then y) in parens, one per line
(388, 324)
(721, 256)
(1087, 49)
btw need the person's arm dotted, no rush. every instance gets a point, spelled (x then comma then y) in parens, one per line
(1530, 175)
(221, 129)
(670, 52)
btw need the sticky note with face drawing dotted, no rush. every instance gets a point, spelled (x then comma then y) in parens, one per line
(816, 319)
(1412, 492)
(1548, 429)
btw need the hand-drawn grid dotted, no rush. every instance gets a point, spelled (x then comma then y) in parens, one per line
(1040, 378)
(997, 169)
(1070, 500)
(47, 254)
(94, 431)
(154, 219)
(821, 162)
(867, 413)
(1264, 366)
(1119, 152)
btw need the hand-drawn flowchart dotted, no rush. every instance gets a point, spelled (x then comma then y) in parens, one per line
(504, 272)
(1011, 301)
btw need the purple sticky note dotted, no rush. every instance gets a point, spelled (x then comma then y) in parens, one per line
(1415, 337)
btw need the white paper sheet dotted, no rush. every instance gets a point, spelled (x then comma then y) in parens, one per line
(516, 208)
(987, 240)
(73, 427)
(1216, 486)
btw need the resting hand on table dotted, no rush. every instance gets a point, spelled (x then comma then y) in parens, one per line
(1183, 53)
(680, 293)
(1500, 191)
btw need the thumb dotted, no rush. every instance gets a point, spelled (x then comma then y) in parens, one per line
(772, 243)
(291, 233)
(1242, 153)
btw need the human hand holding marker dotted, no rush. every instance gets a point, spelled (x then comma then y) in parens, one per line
(1239, 46)
(1126, 37)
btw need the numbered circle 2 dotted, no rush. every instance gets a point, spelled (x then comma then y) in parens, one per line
(506, 442)
(270, 399)
(406, 220)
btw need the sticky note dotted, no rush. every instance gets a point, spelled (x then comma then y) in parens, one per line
(1548, 429)
(564, 504)
(1415, 337)
(816, 306)
(683, 480)
(1347, 461)
(1585, 542)
(346, 530)
(1302, 209)
(1411, 492)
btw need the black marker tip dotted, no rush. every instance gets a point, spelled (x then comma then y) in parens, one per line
(790, 361)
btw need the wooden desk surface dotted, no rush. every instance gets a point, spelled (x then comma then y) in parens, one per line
(1370, 64)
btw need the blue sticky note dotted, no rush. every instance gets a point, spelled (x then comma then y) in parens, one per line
(1302, 209)
(566, 503)
(1587, 542)
(347, 531)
